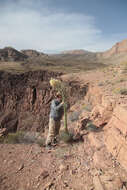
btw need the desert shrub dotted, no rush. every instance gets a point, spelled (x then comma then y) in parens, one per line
(20, 137)
(91, 127)
(66, 137)
(13, 138)
(122, 91)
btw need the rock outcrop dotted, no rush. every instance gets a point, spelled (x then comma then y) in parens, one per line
(116, 135)
(118, 48)
(109, 116)
(103, 105)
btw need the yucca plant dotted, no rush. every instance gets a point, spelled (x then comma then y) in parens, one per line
(61, 88)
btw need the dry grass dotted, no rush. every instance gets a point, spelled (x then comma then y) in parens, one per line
(22, 137)
(13, 138)
(12, 67)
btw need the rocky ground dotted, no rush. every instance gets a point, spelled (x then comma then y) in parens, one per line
(89, 163)
(84, 165)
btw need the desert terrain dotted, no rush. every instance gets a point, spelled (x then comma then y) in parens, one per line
(96, 157)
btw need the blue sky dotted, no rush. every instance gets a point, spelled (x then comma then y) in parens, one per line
(57, 25)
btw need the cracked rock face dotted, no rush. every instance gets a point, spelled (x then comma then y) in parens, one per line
(116, 135)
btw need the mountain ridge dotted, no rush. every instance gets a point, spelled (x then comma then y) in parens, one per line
(119, 47)
(116, 54)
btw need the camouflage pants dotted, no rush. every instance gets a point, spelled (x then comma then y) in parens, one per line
(54, 127)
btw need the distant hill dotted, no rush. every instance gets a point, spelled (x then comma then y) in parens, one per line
(76, 52)
(118, 48)
(116, 54)
(66, 61)
(11, 54)
(32, 53)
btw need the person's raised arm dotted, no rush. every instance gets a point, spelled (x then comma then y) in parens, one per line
(56, 107)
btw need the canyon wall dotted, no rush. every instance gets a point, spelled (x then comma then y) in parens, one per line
(25, 99)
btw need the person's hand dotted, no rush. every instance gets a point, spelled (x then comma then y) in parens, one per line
(62, 103)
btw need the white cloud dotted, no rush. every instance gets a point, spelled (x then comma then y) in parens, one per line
(24, 27)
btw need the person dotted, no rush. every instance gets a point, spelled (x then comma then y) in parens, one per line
(56, 113)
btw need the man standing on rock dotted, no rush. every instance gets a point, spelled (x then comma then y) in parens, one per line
(56, 113)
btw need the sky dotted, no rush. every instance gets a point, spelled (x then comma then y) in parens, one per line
(52, 26)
